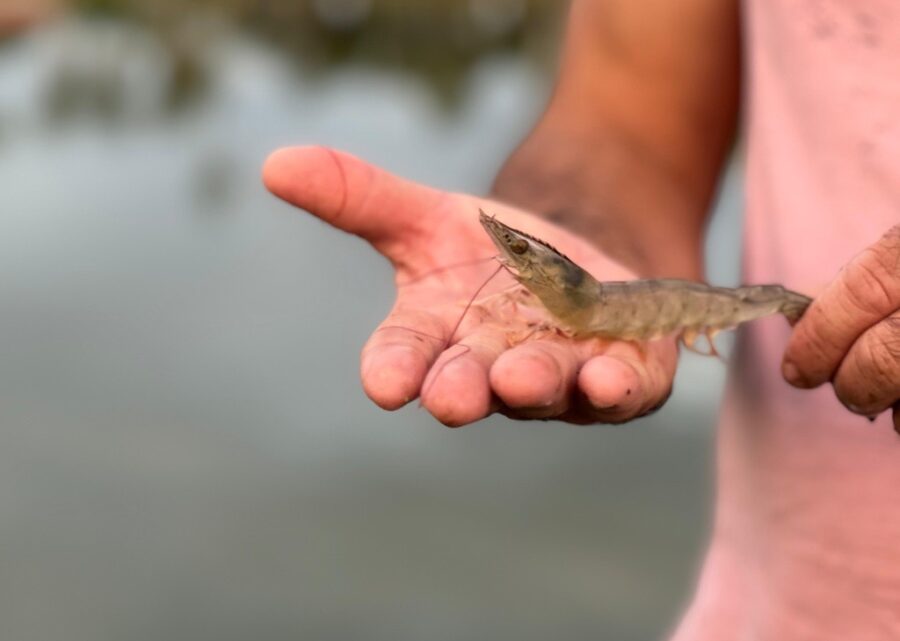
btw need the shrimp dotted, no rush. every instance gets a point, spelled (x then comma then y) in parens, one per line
(638, 310)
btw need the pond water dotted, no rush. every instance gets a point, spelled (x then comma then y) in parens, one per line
(186, 452)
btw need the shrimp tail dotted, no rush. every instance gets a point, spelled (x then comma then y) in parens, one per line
(794, 306)
(791, 304)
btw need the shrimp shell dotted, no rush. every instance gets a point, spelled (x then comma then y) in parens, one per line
(635, 310)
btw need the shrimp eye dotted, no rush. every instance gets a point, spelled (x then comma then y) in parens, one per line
(518, 246)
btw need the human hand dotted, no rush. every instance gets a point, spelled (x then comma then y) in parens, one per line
(489, 365)
(850, 334)
(18, 15)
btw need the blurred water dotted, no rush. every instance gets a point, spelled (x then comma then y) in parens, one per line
(186, 452)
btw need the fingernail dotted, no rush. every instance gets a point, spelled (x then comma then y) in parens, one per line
(856, 409)
(604, 406)
(791, 374)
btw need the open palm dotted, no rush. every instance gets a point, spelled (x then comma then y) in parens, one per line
(496, 360)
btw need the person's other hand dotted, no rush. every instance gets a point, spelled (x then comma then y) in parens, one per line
(850, 335)
(489, 365)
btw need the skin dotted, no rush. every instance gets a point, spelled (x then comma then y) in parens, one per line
(608, 159)
(18, 15)
(618, 174)
(851, 334)
(419, 229)
(640, 122)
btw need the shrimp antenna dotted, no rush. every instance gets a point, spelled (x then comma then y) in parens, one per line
(452, 333)
(469, 304)
(444, 268)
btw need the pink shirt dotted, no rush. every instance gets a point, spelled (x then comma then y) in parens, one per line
(807, 490)
(807, 542)
(823, 169)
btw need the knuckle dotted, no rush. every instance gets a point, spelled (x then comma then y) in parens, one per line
(881, 359)
(818, 341)
(884, 350)
(870, 379)
(868, 284)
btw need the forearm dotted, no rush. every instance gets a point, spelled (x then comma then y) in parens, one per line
(613, 193)
(629, 150)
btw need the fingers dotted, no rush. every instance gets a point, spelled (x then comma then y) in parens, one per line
(535, 380)
(539, 380)
(397, 357)
(457, 390)
(347, 192)
(623, 384)
(868, 379)
(865, 292)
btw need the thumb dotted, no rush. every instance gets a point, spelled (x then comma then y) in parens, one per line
(348, 193)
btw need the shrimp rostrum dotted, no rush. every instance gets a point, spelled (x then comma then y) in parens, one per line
(637, 310)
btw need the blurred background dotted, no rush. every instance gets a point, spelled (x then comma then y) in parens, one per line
(185, 451)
